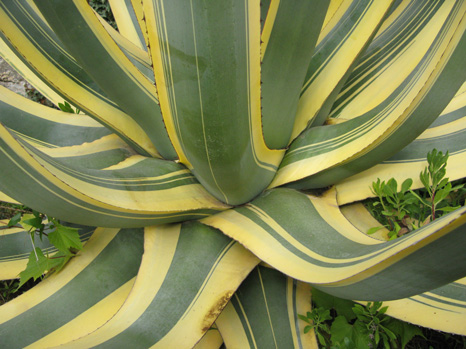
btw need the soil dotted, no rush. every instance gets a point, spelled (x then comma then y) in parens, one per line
(10, 79)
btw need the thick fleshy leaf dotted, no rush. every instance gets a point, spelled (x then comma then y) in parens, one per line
(81, 32)
(198, 270)
(288, 39)
(46, 127)
(213, 114)
(447, 133)
(127, 22)
(441, 309)
(344, 37)
(130, 193)
(31, 39)
(307, 238)
(325, 155)
(16, 245)
(87, 293)
(264, 311)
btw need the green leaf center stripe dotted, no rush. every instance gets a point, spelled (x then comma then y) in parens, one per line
(342, 27)
(194, 90)
(206, 148)
(236, 302)
(310, 251)
(267, 307)
(449, 117)
(48, 46)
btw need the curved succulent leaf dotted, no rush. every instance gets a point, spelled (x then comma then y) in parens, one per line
(322, 156)
(129, 193)
(15, 62)
(288, 39)
(212, 136)
(42, 52)
(442, 309)
(264, 311)
(111, 257)
(448, 132)
(210, 265)
(343, 38)
(81, 32)
(307, 238)
(46, 127)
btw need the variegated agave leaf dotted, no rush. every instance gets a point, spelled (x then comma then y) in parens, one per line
(214, 135)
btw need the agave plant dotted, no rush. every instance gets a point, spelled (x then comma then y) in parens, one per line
(219, 134)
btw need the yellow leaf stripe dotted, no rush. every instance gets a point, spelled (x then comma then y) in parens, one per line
(412, 160)
(70, 87)
(14, 61)
(100, 239)
(347, 257)
(324, 80)
(351, 140)
(161, 245)
(127, 22)
(80, 192)
(443, 309)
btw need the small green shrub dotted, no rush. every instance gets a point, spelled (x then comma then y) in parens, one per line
(403, 210)
(340, 323)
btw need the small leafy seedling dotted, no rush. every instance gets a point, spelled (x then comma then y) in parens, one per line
(66, 107)
(64, 238)
(356, 326)
(438, 187)
(317, 321)
(395, 206)
(404, 210)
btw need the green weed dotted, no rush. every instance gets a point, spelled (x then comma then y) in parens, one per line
(402, 210)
